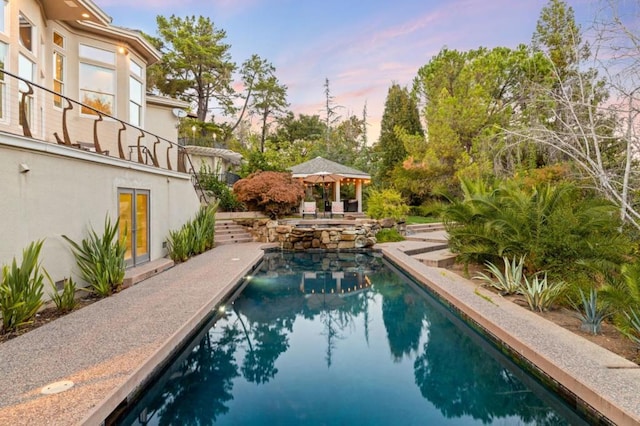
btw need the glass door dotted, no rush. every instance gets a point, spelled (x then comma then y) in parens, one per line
(134, 224)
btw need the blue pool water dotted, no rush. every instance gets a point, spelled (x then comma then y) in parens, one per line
(341, 339)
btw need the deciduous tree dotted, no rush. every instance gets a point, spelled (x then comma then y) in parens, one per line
(273, 193)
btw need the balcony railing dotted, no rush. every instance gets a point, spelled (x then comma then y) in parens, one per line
(36, 112)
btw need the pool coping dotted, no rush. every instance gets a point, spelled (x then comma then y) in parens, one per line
(596, 378)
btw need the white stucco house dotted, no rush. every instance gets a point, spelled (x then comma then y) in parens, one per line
(79, 137)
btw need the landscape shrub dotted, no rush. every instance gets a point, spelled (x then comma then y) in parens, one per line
(386, 203)
(65, 301)
(21, 288)
(226, 199)
(553, 226)
(179, 243)
(274, 193)
(430, 208)
(390, 235)
(196, 236)
(101, 259)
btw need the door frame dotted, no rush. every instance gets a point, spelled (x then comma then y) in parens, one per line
(136, 259)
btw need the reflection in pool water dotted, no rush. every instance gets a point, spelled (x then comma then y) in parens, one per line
(340, 338)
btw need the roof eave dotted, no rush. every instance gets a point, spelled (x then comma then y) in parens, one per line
(132, 39)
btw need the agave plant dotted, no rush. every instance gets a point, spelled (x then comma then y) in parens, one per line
(21, 288)
(539, 294)
(101, 259)
(633, 330)
(508, 283)
(591, 314)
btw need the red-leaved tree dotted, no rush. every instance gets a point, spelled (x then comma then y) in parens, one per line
(274, 193)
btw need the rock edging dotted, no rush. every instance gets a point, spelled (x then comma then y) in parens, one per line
(342, 235)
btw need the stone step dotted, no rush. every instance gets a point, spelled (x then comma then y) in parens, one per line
(438, 259)
(230, 230)
(433, 236)
(147, 270)
(232, 239)
(412, 248)
(226, 224)
(425, 247)
(425, 227)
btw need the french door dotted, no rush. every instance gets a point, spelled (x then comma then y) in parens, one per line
(134, 224)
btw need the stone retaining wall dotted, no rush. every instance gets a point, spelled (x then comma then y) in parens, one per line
(329, 236)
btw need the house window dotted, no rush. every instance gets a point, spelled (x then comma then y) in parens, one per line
(58, 69)
(26, 33)
(135, 69)
(3, 60)
(3, 16)
(135, 101)
(58, 40)
(26, 70)
(97, 81)
(97, 55)
(97, 88)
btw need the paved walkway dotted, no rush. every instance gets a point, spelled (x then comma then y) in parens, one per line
(109, 347)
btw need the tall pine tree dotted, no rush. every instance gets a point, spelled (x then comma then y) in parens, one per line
(400, 114)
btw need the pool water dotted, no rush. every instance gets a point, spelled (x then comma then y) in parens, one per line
(341, 339)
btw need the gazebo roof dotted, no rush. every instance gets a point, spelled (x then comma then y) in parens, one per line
(322, 165)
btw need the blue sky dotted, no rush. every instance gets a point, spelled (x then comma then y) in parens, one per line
(362, 47)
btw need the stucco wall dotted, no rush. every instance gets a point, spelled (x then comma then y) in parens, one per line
(161, 121)
(66, 190)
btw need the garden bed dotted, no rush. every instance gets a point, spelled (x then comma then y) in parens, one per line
(609, 338)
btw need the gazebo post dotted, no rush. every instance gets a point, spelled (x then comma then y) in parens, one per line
(336, 191)
(359, 194)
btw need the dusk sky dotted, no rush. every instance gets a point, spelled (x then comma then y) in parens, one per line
(362, 47)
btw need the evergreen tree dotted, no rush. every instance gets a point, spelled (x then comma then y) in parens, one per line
(196, 64)
(400, 112)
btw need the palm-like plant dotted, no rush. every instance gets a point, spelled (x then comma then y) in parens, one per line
(622, 291)
(552, 226)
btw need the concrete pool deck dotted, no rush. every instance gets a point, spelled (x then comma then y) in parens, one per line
(110, 347)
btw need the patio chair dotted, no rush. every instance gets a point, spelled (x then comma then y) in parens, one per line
(309, 208)
(337, 207)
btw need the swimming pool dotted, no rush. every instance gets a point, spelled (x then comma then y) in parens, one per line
(341, 338)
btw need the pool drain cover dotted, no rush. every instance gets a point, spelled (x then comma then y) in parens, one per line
(57, 387)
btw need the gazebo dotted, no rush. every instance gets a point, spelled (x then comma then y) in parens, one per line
(319, 169)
